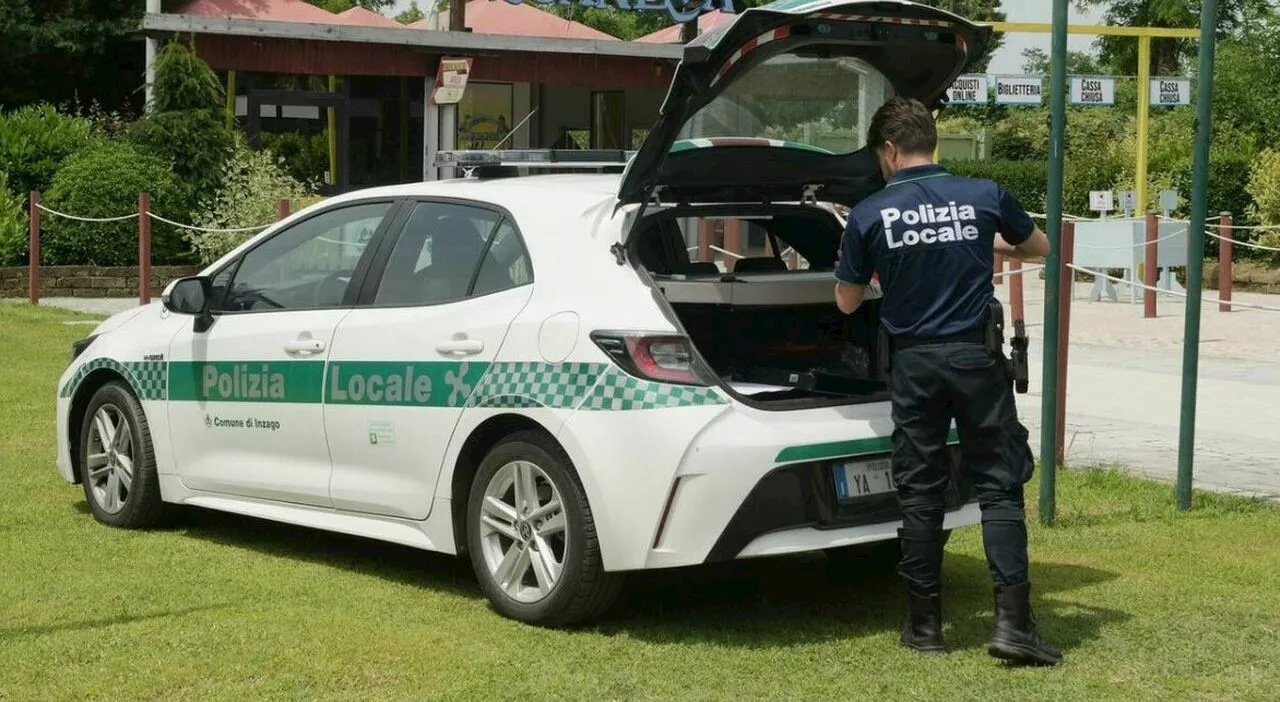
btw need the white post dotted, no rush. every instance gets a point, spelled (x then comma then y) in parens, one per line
(153, 46)
(448, 135)
(430, 130)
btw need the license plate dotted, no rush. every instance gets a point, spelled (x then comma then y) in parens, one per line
(864, 478)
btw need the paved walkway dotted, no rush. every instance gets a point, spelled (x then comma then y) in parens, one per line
(95, 305)
(1124, 384)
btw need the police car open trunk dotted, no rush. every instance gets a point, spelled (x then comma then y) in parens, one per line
(766, 122)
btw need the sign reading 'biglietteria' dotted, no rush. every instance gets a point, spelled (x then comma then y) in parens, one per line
(678, 10)
(1019, 90)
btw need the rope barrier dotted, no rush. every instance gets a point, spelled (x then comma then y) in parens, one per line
(1255, 228)
(207, 229)
(86, 219)
(1247, 245)
(727, 253)
(152, 215)
(1205, 301)
(1020, 271)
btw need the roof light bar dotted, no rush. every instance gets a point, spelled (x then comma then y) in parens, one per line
(535, 158)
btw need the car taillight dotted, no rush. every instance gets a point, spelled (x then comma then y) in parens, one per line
(661, 357)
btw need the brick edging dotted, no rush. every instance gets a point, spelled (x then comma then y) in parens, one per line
(89, 281)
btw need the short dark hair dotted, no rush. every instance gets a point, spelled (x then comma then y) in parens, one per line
(905, 122)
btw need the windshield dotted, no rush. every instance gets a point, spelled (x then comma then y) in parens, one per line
(815, 102)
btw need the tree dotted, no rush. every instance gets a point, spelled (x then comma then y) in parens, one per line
(71, 50)
(1246, 85)
(344, 5)
(411, 15)
(1168, 56)
(1035, 61)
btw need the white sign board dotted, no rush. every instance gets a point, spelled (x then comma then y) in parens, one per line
(451, 81)
(1168, 200)
(1101, 201)
(968, 90)
(1087, 90)
(1170, 91)
(1129, 200)
(1019, 90)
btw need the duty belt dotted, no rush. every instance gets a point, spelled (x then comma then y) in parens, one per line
(973, 336)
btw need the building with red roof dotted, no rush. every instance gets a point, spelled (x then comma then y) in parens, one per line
(352, 89)
(706, 22)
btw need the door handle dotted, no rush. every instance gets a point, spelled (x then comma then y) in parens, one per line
(460, 347)
(304, 346)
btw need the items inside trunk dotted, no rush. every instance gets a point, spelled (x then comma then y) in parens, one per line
(769, 328)
(790, 354)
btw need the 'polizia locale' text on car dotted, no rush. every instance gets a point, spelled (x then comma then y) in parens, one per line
(541, 372)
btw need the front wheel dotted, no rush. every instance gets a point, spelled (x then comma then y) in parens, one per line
(531, 537)
(117, 460)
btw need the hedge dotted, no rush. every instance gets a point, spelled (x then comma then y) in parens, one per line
(104, 181)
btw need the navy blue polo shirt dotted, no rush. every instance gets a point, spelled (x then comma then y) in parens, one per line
(929, 235)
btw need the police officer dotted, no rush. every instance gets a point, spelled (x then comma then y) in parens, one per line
(929, 237)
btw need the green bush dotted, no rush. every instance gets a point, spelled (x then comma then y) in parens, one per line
(1026, 180)
(306, 156)
(253, 185)
(13, 225)
(104, 181)
(35, 140)
(1264, 188)
(197, 143)
(187, 127)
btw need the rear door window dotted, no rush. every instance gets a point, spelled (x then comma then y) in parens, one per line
(447, 252)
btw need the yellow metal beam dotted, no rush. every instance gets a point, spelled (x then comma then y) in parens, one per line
(333, 135)
(231, 99)
(1144, 113)
(1097, 30)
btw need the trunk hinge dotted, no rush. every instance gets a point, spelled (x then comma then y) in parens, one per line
(810, 194)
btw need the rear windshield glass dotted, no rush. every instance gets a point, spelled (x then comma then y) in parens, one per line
(814, 102)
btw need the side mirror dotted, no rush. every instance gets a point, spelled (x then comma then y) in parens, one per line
(190, 296)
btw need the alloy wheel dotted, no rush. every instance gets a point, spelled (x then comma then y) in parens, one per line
(524, 533)
(109, 466)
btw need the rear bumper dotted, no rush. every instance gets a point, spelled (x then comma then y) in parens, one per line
(679, 487)
(794, 508)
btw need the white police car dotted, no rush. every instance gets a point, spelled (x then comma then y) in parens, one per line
(543, 372)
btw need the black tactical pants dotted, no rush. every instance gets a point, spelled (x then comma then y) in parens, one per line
(930, 385)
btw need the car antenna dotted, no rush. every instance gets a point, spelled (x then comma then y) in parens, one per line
(513, 129)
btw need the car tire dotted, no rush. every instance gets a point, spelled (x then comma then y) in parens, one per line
(117, 460)
(536, 564)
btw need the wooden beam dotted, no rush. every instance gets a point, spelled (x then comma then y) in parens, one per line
(443, 42)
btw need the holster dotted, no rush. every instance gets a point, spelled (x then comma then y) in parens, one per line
(1017, 363)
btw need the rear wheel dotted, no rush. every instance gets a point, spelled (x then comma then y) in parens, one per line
(531, 536)
(117, 460)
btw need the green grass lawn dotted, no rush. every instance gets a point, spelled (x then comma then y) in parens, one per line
(1147, 603)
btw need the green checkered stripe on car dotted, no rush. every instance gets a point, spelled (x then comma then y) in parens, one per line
(619, 391)
(524, 385)
(149, 379)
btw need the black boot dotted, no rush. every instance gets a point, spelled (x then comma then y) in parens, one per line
(923, 629)
(1016, 639)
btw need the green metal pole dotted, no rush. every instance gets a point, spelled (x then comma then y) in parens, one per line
(1195, 252)
(1053, 229)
